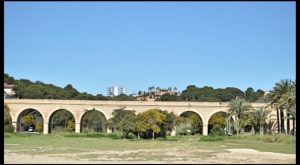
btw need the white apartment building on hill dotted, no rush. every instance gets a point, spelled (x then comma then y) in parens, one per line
(115, 91)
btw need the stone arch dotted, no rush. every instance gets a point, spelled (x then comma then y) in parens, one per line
(222, 125)
(201, 127)
(192, 110)
(23, 112)
(214, 112)
(57, 109)
(53, 111)
(83, 112)
(89, 110)
(23, 109)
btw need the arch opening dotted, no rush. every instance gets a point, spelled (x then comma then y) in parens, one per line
(219, 123)
(191, 124)
(61, 120)
(30, 120)
(93, 121)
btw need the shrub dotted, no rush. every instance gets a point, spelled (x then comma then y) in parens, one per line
(9, 128)
(39, 127)
(217, 130)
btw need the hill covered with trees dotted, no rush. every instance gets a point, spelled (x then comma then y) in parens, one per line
(26, 89)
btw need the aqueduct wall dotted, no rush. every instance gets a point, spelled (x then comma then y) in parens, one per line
(79, 107)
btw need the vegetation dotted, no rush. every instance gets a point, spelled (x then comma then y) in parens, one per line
(62, 120)
(283, 98)
(123, 120)
(25, 89)
(239, 109)
(93, 121)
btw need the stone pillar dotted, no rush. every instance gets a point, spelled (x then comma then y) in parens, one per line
(46, 128)
(173, 132)
(205, 129)
(14, 123)
(77, 127)
(108, 130)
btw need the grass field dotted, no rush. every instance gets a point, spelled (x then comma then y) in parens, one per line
(101, 147)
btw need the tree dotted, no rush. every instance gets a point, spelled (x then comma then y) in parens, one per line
(169, 123)
(276, 99)
(94, 121)
(29, 120)
(219, 119)
(140, 93)
(169, 97)
(71, 91)
(61, 118)
(259, 117)
(124, 120)
(157, 88)
(151, 120)
(193, 120)
(7, 117)
(239, 109)
(249, 95)
(175, 89)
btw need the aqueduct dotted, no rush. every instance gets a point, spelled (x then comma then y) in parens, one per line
(79, 107)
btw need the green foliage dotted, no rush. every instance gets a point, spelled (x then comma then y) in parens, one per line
(62, 120)
(123, 120)
(191, 123)
(259, 117)
(150, 120)
(218, 118)
(169, 97)
(217, 130)
(9, 128)
(123, 97)
(29, 120)
(252, 96)
(193, 93)
(39, 127)
(240, 109)
(38, 90)
(7, 117)
(93, 121)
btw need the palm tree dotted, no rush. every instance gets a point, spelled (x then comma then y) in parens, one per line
(288, 101)
(239, 109)
(277, 98)
(259, 118)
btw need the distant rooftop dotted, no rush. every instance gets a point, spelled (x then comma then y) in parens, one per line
(8, 85)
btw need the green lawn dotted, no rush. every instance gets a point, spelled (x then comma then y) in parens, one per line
(88, 146)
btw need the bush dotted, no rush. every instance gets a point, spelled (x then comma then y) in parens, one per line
(9, 128)
(217, 130)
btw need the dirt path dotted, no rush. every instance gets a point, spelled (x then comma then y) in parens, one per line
(241, 156)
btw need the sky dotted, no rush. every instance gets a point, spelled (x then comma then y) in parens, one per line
(95, 45)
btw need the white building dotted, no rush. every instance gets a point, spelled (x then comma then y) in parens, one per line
(115, 91)
(8, 91)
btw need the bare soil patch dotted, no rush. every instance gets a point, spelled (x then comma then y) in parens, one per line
(236, 156)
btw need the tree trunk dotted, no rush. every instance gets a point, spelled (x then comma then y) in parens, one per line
(138, 135)
(293, 126)
(282, 121)
(278, 126)
(261, 129)
(288, 123)
(152, 135)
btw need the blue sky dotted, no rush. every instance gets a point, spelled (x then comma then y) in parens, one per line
(94, 45)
